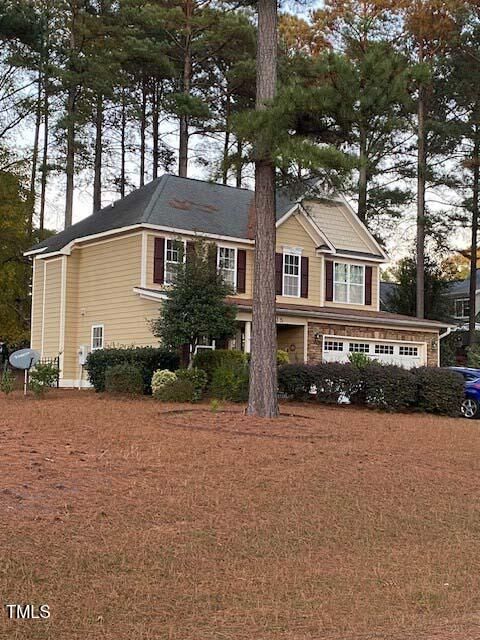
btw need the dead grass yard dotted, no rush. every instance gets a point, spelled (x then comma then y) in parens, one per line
(136, 522)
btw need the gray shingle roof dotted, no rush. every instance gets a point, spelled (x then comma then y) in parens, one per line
(177, 203)
(460, 288)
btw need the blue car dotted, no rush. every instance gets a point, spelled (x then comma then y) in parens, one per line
(471, 404)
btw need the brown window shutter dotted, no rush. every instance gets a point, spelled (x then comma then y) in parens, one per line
(158, 261)
(368, 285)
(279, 274)
(328, 280)
(241, 270)
(304, 278)
(213, 255)
(190, 250)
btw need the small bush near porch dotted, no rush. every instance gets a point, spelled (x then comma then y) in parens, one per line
(133, 519)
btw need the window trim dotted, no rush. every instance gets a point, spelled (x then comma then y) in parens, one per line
(97, 326)
(463, 301)
(235, 263)
(348, 283)
(167, 240)
(297, 252)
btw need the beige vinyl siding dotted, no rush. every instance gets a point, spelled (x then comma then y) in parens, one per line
(337, 222)
(292, 234)
(107, 274)
(70, 352)
(52, 311)
(37, 305)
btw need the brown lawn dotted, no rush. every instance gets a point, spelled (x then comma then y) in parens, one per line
(134, 521)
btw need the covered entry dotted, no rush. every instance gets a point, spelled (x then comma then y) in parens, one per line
(291, 338)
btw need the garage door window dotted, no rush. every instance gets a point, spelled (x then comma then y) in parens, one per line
(408, 351)
(333, 345)
(384, 349)
(359, 347)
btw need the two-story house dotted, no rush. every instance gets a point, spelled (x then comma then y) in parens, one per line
(101, 281)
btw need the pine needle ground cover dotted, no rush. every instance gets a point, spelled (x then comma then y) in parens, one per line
(137, 521)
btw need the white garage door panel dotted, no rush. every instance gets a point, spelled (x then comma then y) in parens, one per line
(404, 354)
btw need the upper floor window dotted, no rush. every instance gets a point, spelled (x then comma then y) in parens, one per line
(226, 263)
(462, 308)
(349, 283)
(97, 337)
(291, 274)
(174, 254)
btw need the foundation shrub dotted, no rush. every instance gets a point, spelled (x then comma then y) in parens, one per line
(390, 388)
(333, 382)
(295, 380)
(160, 378)
(124, 378)
(146, 359)
(179, 390)
(211, 359)
(439, 390)
(197, 377)
(230, 382)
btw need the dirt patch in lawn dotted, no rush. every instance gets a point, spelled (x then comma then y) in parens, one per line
(136, 520)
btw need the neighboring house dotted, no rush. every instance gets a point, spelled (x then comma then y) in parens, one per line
(101, 281)
(458, 294)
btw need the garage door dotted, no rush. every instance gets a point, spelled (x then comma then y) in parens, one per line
(404, 354)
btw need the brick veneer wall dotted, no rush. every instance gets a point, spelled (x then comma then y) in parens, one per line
(315, 348)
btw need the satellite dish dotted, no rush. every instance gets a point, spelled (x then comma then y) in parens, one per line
(24, 359)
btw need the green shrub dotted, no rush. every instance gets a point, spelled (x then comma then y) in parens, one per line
(146, 359)
(333, 381)
(177, 391)
(197, 377)
(282, 357)
(7, 381)
(360, 360)
(41, 377)
(390, 388)
(210, 359)
(160, 378)
(230, 382)
(439, 390)
(124, 378)
(295, 380)
(473, 355)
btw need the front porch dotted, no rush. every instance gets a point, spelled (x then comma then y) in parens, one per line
(292, 337)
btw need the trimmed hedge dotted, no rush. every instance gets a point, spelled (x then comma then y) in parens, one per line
(146, 359)
(124, 378)
(385, 387)
(177, 391)
(230, 382)
(197, 377)
(439, 390)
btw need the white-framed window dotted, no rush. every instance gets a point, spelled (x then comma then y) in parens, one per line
(97, 336)
(408, 351)
(359, 347)
(384, 349)
(333, 345)
(227, 265)
(174, 250)
(349, 283)
(291, 274)
(462, 308)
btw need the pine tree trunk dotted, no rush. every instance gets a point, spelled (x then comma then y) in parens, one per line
(43, 185)
(70, 161)
(143, 127)
(239, 166)
(262, 399)
(421, 185)
(226, 143)
(36, 139)
(97, 162)
(363, 176)
(155, 129)
(473, 245)
(123, 127)
(186, 87)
